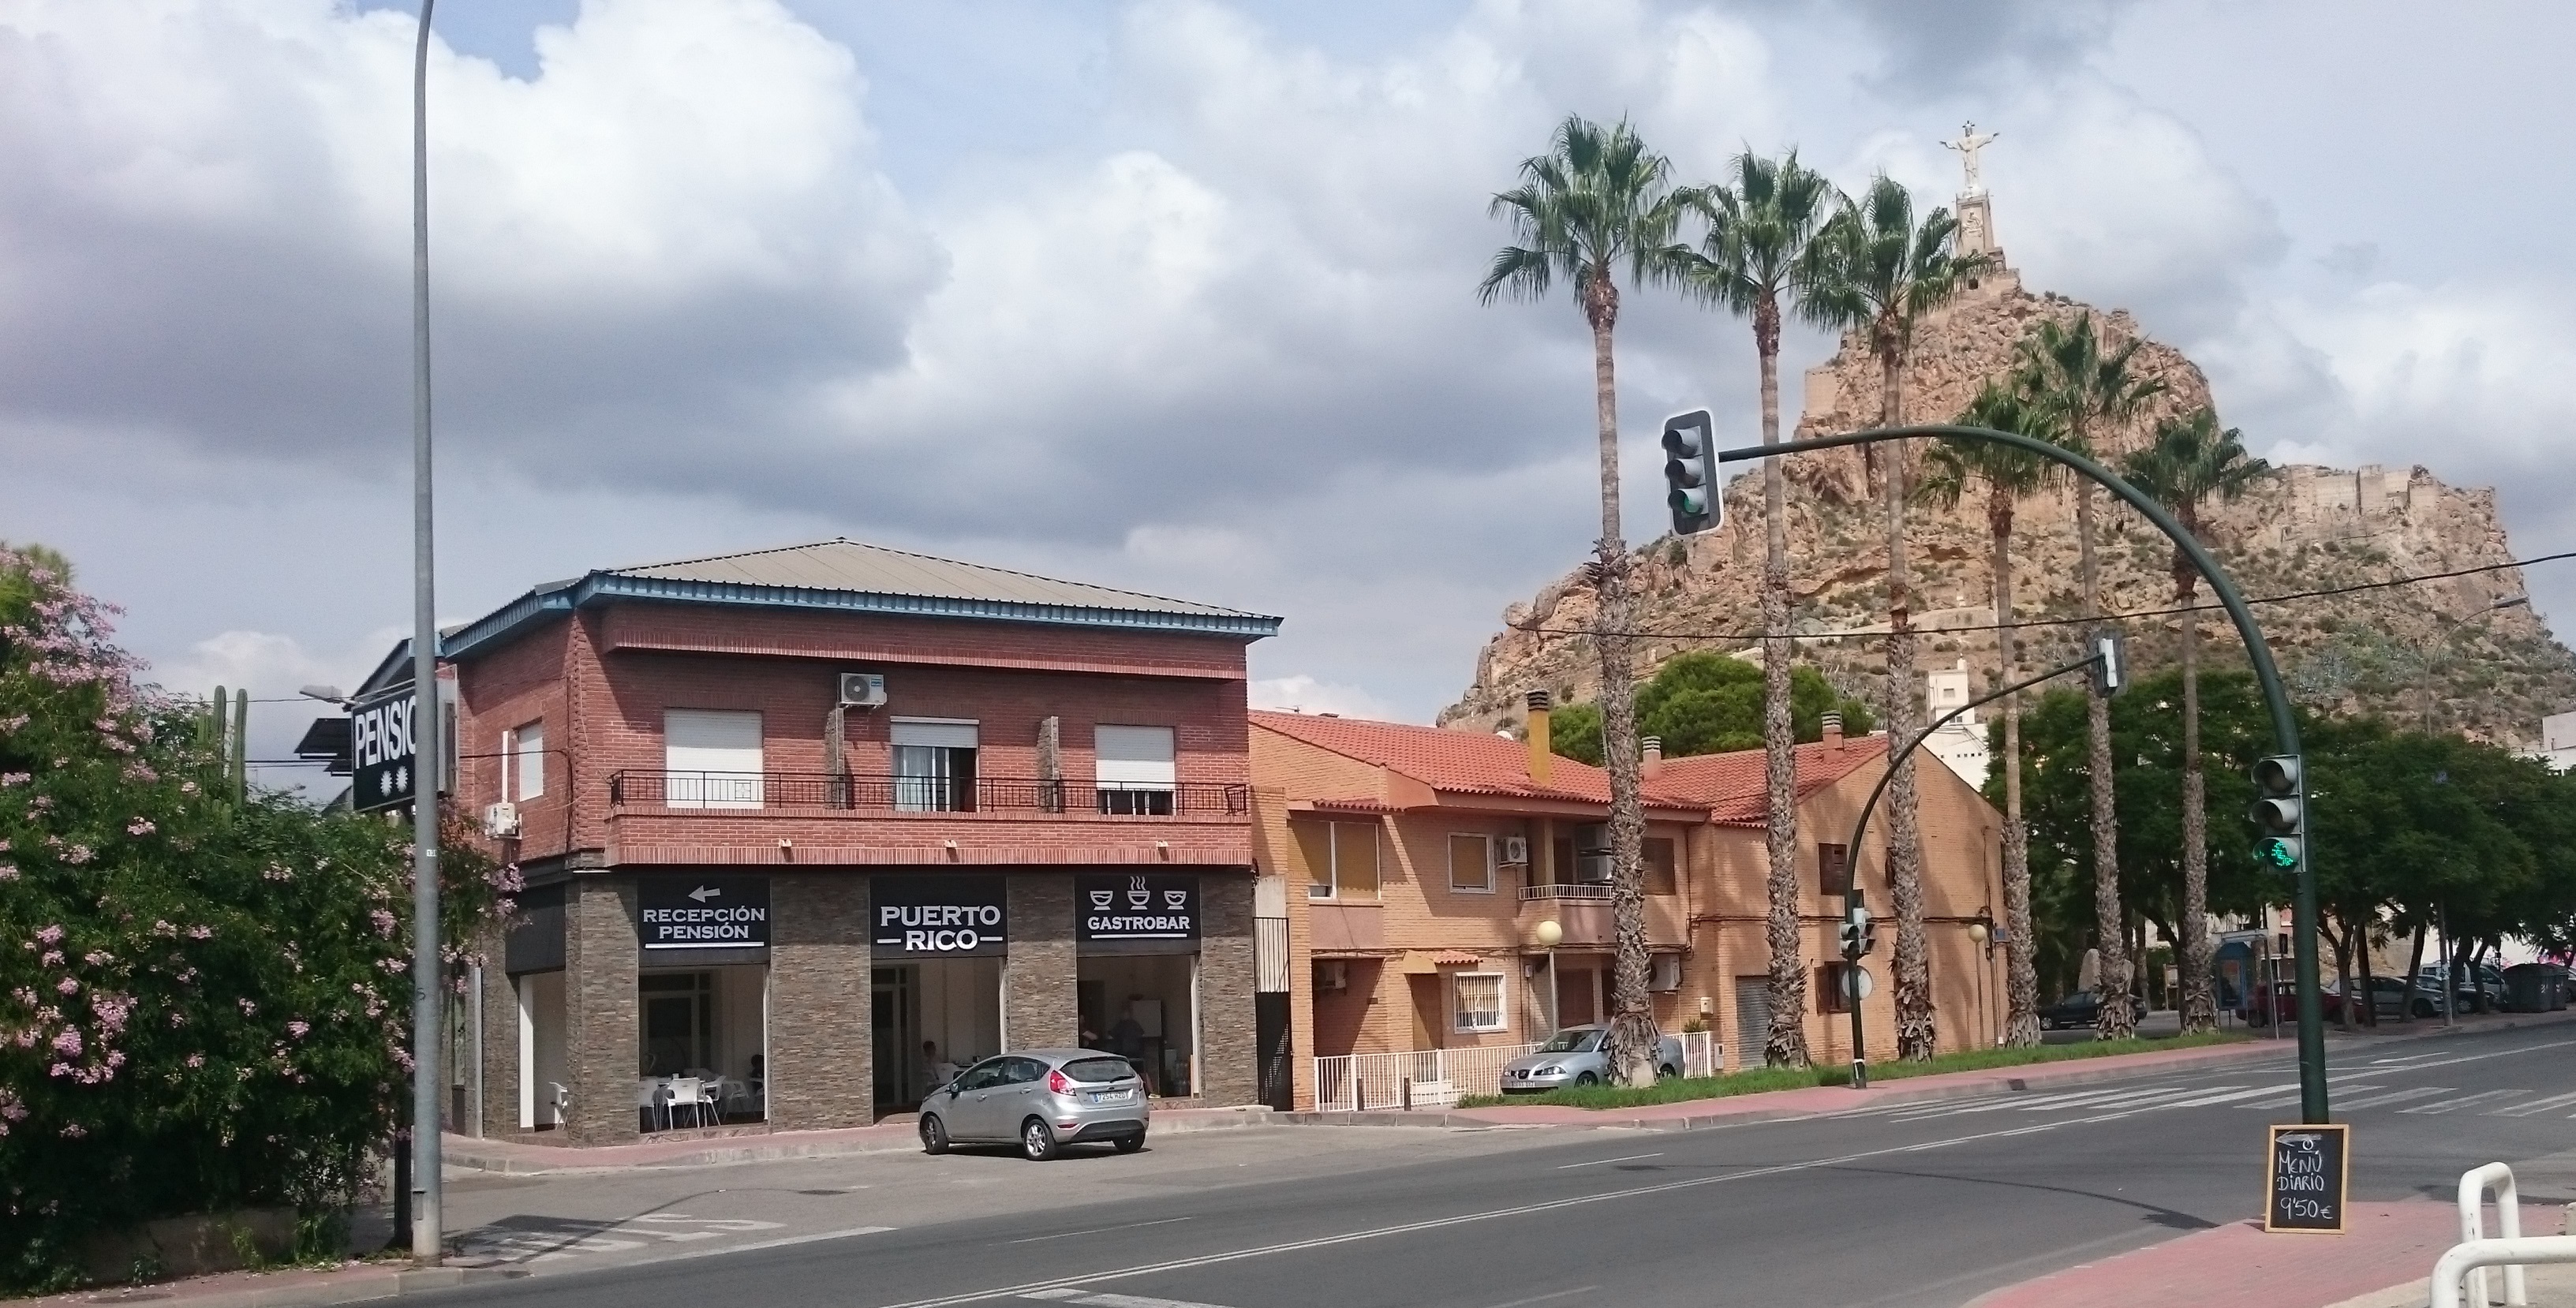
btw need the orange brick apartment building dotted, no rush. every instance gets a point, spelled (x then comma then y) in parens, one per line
(1416, 864)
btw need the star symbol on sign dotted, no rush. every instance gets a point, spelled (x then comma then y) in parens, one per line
(385, 782)
(402, 779)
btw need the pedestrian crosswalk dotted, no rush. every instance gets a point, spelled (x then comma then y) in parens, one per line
(2113, 1103)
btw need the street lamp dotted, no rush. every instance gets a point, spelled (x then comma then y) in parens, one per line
(1981, 932)
(1547, 934)
(426, 970)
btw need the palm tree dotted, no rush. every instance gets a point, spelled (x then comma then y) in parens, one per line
(2193, 460)
(1874, 269)
(2007, 474)
(2084, 391)
(1760, 226)
(1596, 200)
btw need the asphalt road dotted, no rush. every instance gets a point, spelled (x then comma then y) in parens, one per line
(1931, 1205)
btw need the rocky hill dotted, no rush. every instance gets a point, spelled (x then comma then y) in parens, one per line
(2401, 650)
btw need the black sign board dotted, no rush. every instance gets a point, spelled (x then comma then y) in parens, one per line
(1135, 906)
(2310, 1170)
(938, 917)
(382, 754)
(702, 912)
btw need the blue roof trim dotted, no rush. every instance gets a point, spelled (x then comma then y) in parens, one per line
(603, 586)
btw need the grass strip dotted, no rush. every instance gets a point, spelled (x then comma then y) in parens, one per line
(1761, 1080)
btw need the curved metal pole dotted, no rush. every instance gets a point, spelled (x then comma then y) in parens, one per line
(1851, 859)
(427, 753)
(2285, 725)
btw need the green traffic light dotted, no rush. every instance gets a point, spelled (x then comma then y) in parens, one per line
(2279, 853)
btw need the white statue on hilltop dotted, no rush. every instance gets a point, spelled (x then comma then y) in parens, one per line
(1970, 141)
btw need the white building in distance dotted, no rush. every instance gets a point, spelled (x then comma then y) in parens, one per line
(1962, 743)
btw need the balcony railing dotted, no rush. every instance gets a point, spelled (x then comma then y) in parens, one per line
(1583, 890)
(643, 788)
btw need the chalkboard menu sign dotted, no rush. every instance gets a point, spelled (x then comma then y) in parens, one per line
(2310, 1169)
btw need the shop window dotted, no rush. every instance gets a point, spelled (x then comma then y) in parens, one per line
(1477, 1000)
(711, 759)
(527, 760)
(1833, 871)
(679, 1021)
(1341, 859)
(1135, 772)
(934, 765)
(1663, 875)
(1471, 864)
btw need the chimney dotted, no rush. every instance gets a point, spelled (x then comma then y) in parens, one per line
(1652, 747)
(1834, 731)
(1541, 762)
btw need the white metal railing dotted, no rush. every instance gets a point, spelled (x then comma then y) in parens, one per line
(2474, 1185)
(1702, 1055)
(1422, 1078)
(1584, 890)
(2471, 1260)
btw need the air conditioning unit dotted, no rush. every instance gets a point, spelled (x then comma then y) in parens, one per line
(501, 821)
(1332, 974)
(1594, 869)
(1515, 851)
(863, 690)
(1664, 972)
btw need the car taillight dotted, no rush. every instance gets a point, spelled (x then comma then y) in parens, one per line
(1059, 1083)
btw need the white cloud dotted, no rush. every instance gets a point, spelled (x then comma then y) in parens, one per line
(1304, 694)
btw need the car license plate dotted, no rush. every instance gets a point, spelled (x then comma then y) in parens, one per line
(1105, 1097)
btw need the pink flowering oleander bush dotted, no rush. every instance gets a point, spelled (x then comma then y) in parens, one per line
(204, 1002)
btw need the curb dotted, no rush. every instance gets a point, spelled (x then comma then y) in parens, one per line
(467, 1153)
(311, 1294)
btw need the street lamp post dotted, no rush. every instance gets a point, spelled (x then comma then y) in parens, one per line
(1548, 934)
(426, 970)
(1981, 932)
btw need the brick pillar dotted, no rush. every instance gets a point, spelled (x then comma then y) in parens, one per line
(1040, 1007)
(1229, 1055)
(500, 1041)
(821, 1051)
(602, 1030)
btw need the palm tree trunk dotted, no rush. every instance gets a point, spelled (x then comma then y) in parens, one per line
(1785, 1044)
(2414, 966)
(2021, 973)
(2342, 937)
(1916, 1036)
(1632, 1038)
(2118, 1020)
(2199, 1006)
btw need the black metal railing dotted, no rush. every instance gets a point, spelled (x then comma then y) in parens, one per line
(644, 788)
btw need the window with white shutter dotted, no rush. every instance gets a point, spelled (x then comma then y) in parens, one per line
(934, 764)
(528, 760)
(712, 759)
(1136, 773)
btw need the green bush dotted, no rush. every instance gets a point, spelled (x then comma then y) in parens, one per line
(204, 998)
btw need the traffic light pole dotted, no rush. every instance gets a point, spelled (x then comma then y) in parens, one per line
(2285, 726)
(1860, 828)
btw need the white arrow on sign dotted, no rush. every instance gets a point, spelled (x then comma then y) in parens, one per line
(702, 894)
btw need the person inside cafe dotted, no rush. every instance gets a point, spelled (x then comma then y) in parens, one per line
(1127, 1040)
(942, 1071)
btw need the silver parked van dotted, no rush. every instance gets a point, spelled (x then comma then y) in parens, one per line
(1044, 1099)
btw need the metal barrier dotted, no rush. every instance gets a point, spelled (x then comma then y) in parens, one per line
(2474, 1185)
(1702, 1055)
(2471, 1260)
(1415, 1078)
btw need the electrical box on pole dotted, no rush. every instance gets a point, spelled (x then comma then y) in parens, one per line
(1690, 473)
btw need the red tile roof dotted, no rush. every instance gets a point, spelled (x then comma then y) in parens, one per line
(1460, 762)
(1732, 785)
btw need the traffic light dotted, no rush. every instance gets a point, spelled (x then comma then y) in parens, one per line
(2280, 812)
(2109, 670)
(1859, 934)
(1690, 473)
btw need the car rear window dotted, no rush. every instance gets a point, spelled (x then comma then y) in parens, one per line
(1095, 1071)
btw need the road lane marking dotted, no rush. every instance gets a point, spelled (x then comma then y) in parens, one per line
(2393, 1097)
(1629, 1158)
(1066, 1235)
(2285, 1101)
(1543, 1298)
(2454, 1105)
(2535, 1107)
(1070, 1294)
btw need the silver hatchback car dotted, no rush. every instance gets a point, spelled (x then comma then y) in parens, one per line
(1044, 1099)
(1573, 1057)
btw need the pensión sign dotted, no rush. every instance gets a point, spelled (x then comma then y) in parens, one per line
(727, 912)
(2310, 1171)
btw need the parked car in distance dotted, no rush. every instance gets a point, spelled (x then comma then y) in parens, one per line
(2480, 990)
(1042, 1099)
(1573, 1057)
(2080, 1008)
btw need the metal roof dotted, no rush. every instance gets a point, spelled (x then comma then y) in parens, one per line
(849, 576)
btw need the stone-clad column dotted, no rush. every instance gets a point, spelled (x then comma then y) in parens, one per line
(602, 1032)
(1040, 1006)
(821, 1050)
(500, 1039)
(1229, 1057)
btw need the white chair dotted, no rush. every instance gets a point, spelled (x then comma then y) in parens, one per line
(652, 1095)
(690, 1093)
(558, 1102)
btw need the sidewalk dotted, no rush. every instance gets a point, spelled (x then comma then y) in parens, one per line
(518, 1157)
(2383, 1260)
(1776, 1105)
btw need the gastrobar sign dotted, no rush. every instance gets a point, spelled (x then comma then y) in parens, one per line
(1138, 906)
(702, 912)
(938, 917)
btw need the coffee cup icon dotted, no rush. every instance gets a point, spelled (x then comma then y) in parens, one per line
(1139, 898)
(1175, 899)
(1102, 899)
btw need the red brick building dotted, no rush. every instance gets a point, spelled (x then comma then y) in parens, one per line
(788, 815)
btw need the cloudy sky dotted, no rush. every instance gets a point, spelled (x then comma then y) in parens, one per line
(1175, 295)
